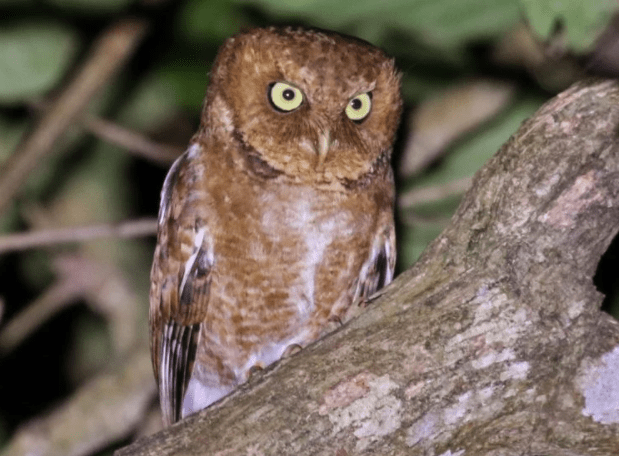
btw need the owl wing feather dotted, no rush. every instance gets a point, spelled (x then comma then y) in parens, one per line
(377, 271)
(179, 296)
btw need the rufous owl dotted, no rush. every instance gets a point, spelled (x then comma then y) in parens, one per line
(277, 222)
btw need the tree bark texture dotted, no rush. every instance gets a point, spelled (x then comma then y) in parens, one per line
(492, 344)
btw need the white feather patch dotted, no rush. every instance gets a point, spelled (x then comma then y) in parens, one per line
(197, 245)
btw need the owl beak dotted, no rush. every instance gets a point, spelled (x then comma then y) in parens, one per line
(324, 142)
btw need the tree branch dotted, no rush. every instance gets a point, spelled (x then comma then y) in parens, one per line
(492, 344)
(130, 140)
(134, 142)
(433, 193)
(40, 238)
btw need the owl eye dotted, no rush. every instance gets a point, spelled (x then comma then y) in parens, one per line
(359, 107)
(284, 97)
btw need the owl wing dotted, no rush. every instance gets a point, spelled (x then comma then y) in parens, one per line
(180, 283)
(377, 271)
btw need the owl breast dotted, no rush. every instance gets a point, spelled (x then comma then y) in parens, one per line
(315, 234)
(286, 266)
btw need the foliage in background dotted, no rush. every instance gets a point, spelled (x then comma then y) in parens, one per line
(436, 43)
(582, 21)
(35, 55)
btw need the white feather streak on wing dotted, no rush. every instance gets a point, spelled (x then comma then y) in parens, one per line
(193, 151)
(166, 190)
(164, 373)
(381, 245)
(389, 271)
(170, 180)
(197, 245)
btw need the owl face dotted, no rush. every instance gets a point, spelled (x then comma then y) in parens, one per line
(315, 106)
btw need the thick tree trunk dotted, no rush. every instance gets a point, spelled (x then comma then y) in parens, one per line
(492, 344)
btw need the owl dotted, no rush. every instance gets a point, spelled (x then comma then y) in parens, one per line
(277, 221)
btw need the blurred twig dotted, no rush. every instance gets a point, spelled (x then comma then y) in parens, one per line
(108, 54)
(430, 194)
(29, 240)
(134, 142)
(443, 118)
(126, 138)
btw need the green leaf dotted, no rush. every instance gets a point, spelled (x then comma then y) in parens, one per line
(156, 99)
(33, 58)
(464, 160)
(412, 241)
(187, 81)
(93, 6)
(441, 23)
(583, 21)
(472, 152)
(212, 21)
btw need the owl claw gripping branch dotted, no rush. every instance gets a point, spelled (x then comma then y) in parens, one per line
(278, 218)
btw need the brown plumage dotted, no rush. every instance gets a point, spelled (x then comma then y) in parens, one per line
(278, 219)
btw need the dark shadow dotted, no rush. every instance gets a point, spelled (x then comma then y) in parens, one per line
(606, 278)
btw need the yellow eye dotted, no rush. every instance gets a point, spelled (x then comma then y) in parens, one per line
(285, 97)
(359, 107)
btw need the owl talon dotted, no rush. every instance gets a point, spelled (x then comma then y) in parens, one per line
(253, 370)
(367, 301)
(291, 350)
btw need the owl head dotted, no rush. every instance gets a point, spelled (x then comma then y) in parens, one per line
(310, 104)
